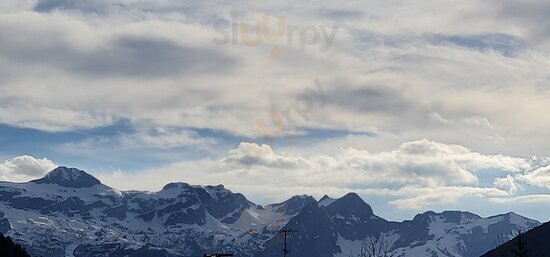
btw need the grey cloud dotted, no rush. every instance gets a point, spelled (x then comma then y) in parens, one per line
(507, 45)
(531, 15)
(121, 56)
(83, 5)
(135, 56)
(341, 14)
(384, 107)
(369, 99)
(405, 72)
(186, 11)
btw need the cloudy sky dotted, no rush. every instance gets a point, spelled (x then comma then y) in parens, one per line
(415, 105)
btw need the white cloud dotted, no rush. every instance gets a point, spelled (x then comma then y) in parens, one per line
(419, 198)
(539, 178)
(437, 117)
(415, 175)
(163, 138)
(48, 119)
(478, 121)
(25, 168)
(158, 139)
(508, 184)
(71, 66)
(421, 162)
(252, 155)
(534, 198)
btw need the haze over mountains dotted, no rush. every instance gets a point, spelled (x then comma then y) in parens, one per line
(70, 213)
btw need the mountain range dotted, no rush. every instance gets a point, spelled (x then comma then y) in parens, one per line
(69, 212)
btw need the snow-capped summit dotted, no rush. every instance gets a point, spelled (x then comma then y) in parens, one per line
(325, 201)
(351, 205)
(68, 177)
(456, 217)
(514, 218)
(176, 185)
(294, 205)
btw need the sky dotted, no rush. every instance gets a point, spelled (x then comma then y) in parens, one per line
(414, 105)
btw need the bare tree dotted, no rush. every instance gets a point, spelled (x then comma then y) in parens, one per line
(376, 247)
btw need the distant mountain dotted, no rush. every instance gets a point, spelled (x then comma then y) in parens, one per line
(68, 177)
(537, 242)
(340, 227)
(71, 213)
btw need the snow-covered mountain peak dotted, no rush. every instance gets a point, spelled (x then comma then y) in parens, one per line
(68, 177)
(176, 185)
(325, 201)
(514, 218)
(179, 187)
(219, 191)
(455, 217)
(294, 205)
(351, 204)
(300, 199)
(218, 187)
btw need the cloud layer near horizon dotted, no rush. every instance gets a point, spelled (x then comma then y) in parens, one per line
(415, 176)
